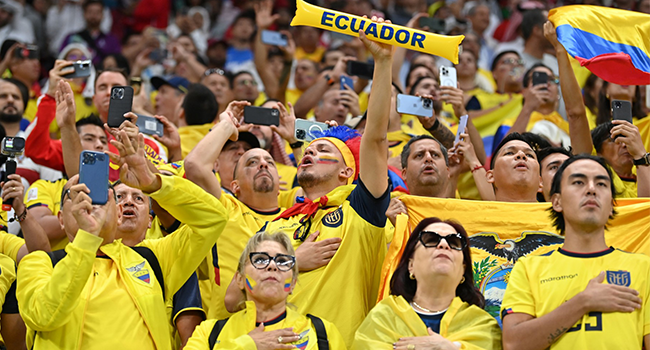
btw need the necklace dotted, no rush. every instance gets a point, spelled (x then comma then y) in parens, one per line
(425, 309)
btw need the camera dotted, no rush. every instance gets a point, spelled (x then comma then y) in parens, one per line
(617, 104)
(275, 113)
(89, 158)
(118, 94)
(444, 70)
(13, 146)
(427, 103)
(83, 64)
(300, 134)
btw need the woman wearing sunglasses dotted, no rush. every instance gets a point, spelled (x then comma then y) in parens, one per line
(433, 303)
(266, 275)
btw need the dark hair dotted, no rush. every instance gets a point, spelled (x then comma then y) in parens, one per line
(406, 151)
(600, 134)
(241, 72)
(414, 67)
(91, 2)
(114, 70)
(24, 91)
(590, 102)
(529, 73)
(224, 73)
(556, 187)
(328, 51)
(270, 100)
(92, 119)
(496, 59)
(418, 81)
(401, 284)
(122, 63)
(200, 105)
(532, 18)
(547, 151)
(605, 108)
(529, 139)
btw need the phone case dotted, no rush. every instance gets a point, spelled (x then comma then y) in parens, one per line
(448, 76)
(121, 102)
(540, 78)
(622, 110)
(261, 116)
(346, 81)
(93, 172)
(462, 124)
(81, 70)
(149, 125)
(305, 129)
(360, 69)
(274, 38)
(407, 104)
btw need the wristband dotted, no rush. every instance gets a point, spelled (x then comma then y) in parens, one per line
(296, 144)
(435, 125)
(330, 80)
(171, 228)
(21, 217)
(477, 168)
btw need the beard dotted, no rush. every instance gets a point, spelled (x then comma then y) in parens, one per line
(263, 184)
(10, 118)
(309, 180)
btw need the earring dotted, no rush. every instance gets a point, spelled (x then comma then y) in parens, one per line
(462, 280)
(411, 276)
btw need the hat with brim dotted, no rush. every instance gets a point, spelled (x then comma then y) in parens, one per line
(247, 137)
(179, 83)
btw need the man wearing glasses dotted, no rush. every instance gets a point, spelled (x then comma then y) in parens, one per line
(245, 89)
(584, 295)
(220, 83)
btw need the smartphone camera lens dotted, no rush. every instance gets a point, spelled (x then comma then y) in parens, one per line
(118, 94)
(300, 134)
(427, 103)
(275, 113)
(617, 104)
(89, 159)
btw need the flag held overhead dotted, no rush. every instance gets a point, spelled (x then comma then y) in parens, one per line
(413, 39)
(613, 44)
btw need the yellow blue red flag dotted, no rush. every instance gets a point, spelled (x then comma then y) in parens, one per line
(613, 44)
(501, 233)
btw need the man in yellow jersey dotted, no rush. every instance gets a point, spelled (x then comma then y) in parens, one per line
(43, 197)
(514, 170)
(102, 293)
(550, 159)
(584, 295)
(344, 288)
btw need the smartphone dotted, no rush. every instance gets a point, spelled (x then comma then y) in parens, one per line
(261, 116)
(622, 110)
(360, 69)
(407, 104)
(540, 78)
(339, 36)
(12, 147)
(462, 124)
(345, 80)
(81, 70)
(270, 37)
(436, 25)
(158, 55)
(29, 51)
(120, 103)
(93, 172)
(305, 129)
(448, 77)
(149, 125)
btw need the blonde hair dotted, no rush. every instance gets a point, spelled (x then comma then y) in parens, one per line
(264, 236)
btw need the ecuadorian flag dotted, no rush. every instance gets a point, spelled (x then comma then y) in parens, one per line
(613, 44)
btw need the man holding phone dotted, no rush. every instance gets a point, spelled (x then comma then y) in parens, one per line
(95, 258)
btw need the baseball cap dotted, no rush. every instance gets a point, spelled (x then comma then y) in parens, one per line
(176, 82)
(248, 138)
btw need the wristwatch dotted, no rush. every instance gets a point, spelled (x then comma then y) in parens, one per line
(643, 161)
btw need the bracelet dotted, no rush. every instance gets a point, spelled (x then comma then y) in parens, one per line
(329, 79)
(21, 217)
(297, 144)
(477, 168)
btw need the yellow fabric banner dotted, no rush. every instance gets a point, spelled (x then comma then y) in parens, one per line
(501, 233)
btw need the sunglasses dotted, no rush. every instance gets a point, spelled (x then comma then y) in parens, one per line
(261, 260)
(431, 239)
(214, 71)
(513, 61)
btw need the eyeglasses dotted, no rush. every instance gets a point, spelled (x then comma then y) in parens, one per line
(555, 81)
(247, 82)
(75, 57)
(431, 239)
(214, 71)
(513, 61)
(261, 260)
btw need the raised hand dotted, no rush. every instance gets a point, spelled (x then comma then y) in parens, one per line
(287, 126)
(89, 217)
(66, 110)
(13, 190)
(350, 99)
(551, 35)
(395, 208)
(263, 17)
(129, 126)
(455, 97)
(379, 51)
(171, 138)
(56, 74)
(628, 133)
(134, 170)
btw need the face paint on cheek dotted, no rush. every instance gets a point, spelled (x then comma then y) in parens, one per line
(327, 160)
(250, 284)
(287, 284)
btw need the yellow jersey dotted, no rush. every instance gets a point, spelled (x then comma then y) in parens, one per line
(540, 284)
(191, 135)
(43, 193)
(344, 290)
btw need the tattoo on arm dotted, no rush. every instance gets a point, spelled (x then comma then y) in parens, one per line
(555, 335)
(445, 136)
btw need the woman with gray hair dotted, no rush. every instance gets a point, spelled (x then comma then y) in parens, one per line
(267, 274)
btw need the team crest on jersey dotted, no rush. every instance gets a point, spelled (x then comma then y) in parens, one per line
(303, 340)
(333, 219)
(138, 271)
(621, 278)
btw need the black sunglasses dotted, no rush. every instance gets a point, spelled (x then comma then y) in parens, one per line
(261, 260)
(214, 71)
(431, 239)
